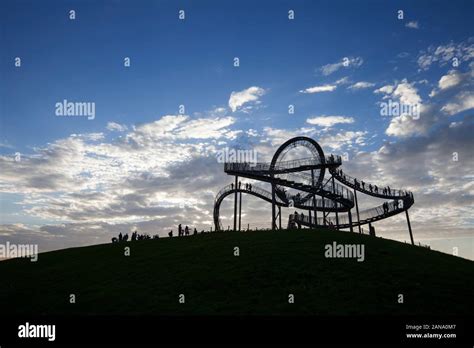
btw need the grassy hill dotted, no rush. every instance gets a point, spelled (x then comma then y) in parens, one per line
(271, 265)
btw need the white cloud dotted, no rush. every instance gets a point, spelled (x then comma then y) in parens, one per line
(388, 89)
(348, 139)
(464, 101)
(251, 94)
(404, 125)
(343, 81)
(412, 25)
(362, 85)
(329, 121)
(445, 54)
(319, 89)
(112, 126)
(346, 62)
(452, 79)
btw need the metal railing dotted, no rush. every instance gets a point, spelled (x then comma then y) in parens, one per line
(282, 165)
(369, 187)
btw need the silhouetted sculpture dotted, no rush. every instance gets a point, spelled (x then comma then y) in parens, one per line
(293, 173)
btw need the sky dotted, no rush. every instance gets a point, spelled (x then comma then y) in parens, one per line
(168, 96)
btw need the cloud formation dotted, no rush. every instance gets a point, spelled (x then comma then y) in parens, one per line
(319, 89)
(346, 62)
(329, 121)
(251, 94)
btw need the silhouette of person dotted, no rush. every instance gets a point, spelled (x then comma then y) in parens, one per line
(370, 187)
(232, 186)
(170, 233)
(180, 230)
(195, 231)
(363, 185)
(186, 231)
(240, 184)
(376, 189)
(126, 237)
(120, 237)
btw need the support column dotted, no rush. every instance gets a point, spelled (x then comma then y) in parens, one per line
(279, 217)
(334, 191)
(235, 202)
(350, 221)
(409, 228)
(314, 201)
(240, 209)
(273, 208)
(324, 213)
(357, 210)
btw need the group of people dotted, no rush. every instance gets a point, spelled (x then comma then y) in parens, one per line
(183, 232)
(372, 188)
(385, 207)
(135, 236)
(247, 186)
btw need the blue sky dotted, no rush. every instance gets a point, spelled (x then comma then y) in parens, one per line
(190, 62)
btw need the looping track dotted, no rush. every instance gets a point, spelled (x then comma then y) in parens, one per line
(300, 183)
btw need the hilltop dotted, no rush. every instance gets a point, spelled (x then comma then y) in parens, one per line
(271, 265)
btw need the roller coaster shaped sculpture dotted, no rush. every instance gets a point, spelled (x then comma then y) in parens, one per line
(314, 193)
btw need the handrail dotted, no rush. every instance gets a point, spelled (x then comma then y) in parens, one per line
(369, 188)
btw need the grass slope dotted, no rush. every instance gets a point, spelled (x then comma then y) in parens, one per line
(271, 265)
